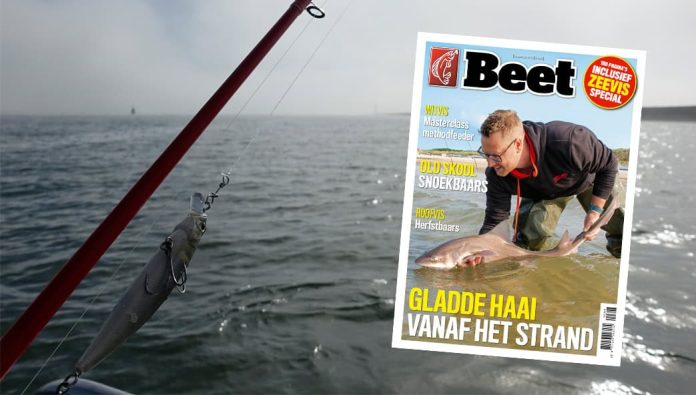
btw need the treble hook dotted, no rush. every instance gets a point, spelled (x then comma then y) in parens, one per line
(180, 283)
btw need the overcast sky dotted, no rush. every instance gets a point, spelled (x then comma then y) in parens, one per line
(168, 57)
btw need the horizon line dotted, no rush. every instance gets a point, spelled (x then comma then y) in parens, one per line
(127, 114)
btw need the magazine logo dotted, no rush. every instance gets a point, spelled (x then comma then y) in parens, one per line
(444, 66)
(484, 71)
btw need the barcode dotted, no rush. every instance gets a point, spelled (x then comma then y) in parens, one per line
(608, 332)
(607, 339)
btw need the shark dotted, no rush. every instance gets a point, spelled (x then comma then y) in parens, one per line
(495, 245)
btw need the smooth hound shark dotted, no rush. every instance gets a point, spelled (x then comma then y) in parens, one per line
(495, 245)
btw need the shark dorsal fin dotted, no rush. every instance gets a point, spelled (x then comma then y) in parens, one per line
(502, 230)
(565, 240)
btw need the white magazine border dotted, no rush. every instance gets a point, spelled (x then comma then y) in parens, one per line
(397, 341)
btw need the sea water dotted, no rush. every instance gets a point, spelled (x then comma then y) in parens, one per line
(292, 287)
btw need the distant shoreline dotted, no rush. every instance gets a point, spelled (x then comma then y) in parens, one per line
(622, 154)
(480, 164)
(672, 113)
(680, 114)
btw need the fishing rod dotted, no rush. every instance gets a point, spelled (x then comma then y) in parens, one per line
(25, 329)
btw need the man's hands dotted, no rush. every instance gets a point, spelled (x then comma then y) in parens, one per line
(590, 219)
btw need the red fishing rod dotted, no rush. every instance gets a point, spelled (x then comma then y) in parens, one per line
(18, 338)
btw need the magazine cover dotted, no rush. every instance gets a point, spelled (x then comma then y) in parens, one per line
(519, 199)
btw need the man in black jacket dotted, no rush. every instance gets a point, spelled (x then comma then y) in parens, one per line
(546, 165)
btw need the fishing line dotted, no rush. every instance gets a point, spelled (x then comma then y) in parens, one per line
(89, 305)
(228, 173)
(130, 127)
(128, 256)
(312, 55)
(265, 78)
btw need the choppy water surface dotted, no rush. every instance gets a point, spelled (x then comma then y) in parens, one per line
(569, 290)
(292, 287)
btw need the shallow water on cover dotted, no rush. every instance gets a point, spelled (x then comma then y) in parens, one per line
(292, 287)
(568, 289)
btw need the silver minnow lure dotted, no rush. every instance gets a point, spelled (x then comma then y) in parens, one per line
(165, 270)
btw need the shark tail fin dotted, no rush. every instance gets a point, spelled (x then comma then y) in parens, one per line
(566, 244)
(603, 219)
